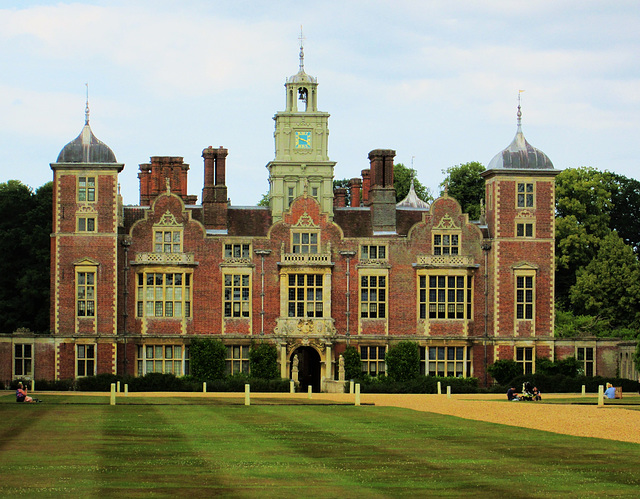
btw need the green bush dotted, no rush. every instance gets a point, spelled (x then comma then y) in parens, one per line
(99, 383)
(559, 383)
(419, 384)
(567, 367)
(403, 361)
(263, 361)
(352, 363)
(208, 358)
(503, 371)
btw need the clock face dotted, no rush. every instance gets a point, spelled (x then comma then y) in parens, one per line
(303, 140)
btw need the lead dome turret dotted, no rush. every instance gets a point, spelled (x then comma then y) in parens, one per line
(520, 155)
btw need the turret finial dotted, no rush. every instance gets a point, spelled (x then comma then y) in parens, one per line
(301, 38)
(519, 108)
(86, 109)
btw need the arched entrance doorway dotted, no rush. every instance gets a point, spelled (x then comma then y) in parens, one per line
(308, 368)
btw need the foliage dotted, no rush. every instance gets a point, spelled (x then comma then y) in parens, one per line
(465, 184)
(637, 356)
(208, 358)
(343, 183)
(560, 383)
(264, 200)
(402, 177)
(403, 361)
(503, 371)
(566, 367)
(418, 384)
(352, 363)
(569, 325)
(625, 213)
(609, 285)
(25, 244)
(263, 361)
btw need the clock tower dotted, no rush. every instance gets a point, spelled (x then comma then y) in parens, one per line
(301, 136)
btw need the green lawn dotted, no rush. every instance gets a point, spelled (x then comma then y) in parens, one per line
(82, 447)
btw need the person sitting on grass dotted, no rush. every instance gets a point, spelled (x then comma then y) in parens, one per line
(610, 392)
(21, 394)
(512, 395)
(536, 393)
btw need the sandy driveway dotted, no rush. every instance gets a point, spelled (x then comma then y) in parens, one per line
(613, 423)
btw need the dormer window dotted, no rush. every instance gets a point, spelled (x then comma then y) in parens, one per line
(446, 244)
(526, 197)
(87, 189)
(168, 241)
(304, 242)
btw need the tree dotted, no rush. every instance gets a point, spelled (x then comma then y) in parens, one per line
(625, 213)
(208, 358)
(263, 358)
(609, 286)
(403, 361)
(264, 200)
(25, 243)
(402, 183)
(503, 371)
(465, 184)
(352, 363)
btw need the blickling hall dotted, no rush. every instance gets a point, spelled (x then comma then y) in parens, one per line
(131, 286)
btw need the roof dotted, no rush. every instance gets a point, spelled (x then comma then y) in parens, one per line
(86, 148)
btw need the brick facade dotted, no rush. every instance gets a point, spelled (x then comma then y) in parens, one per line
(136, 289)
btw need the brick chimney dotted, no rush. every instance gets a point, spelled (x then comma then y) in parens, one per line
(163, 172)
(355, 185)
(339, 197)
(366, 186)
(382, 194)
(214, 192)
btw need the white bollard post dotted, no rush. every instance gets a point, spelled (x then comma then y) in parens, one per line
(351, 386)
(357, 394)
(33, 385)
(247, 394)
(118, 387)
(439, 388)
(448, 392)
(584, 390)
(309, 390)
(113, 394)
(204, 387)
(600, 395)
(292, 386)
(126, 390)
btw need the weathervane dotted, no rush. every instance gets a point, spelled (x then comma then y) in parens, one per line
(86, 109)
(519, 108)
(302, 39)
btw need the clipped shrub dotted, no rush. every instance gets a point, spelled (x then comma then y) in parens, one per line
(208, 358)
(419, 384)
(567, 367)
(559, 383)
(503, 371)
(263, 361)
(99, 383)
(56, 385)
(403, 361)
(352, 363)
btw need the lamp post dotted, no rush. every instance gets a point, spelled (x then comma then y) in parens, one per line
(349, 255)
(125, 244)
(262, 253)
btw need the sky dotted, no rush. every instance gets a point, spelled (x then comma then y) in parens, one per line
(437, 81)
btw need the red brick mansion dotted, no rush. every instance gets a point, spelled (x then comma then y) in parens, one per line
(131, 286)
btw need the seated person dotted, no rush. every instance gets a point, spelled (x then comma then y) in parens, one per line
(21, 394)
(512, 395)
(610, 392)
(536, 393)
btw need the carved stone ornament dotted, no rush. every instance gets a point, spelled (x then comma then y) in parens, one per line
(305, 221)
(168, 220)
(446, 223)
